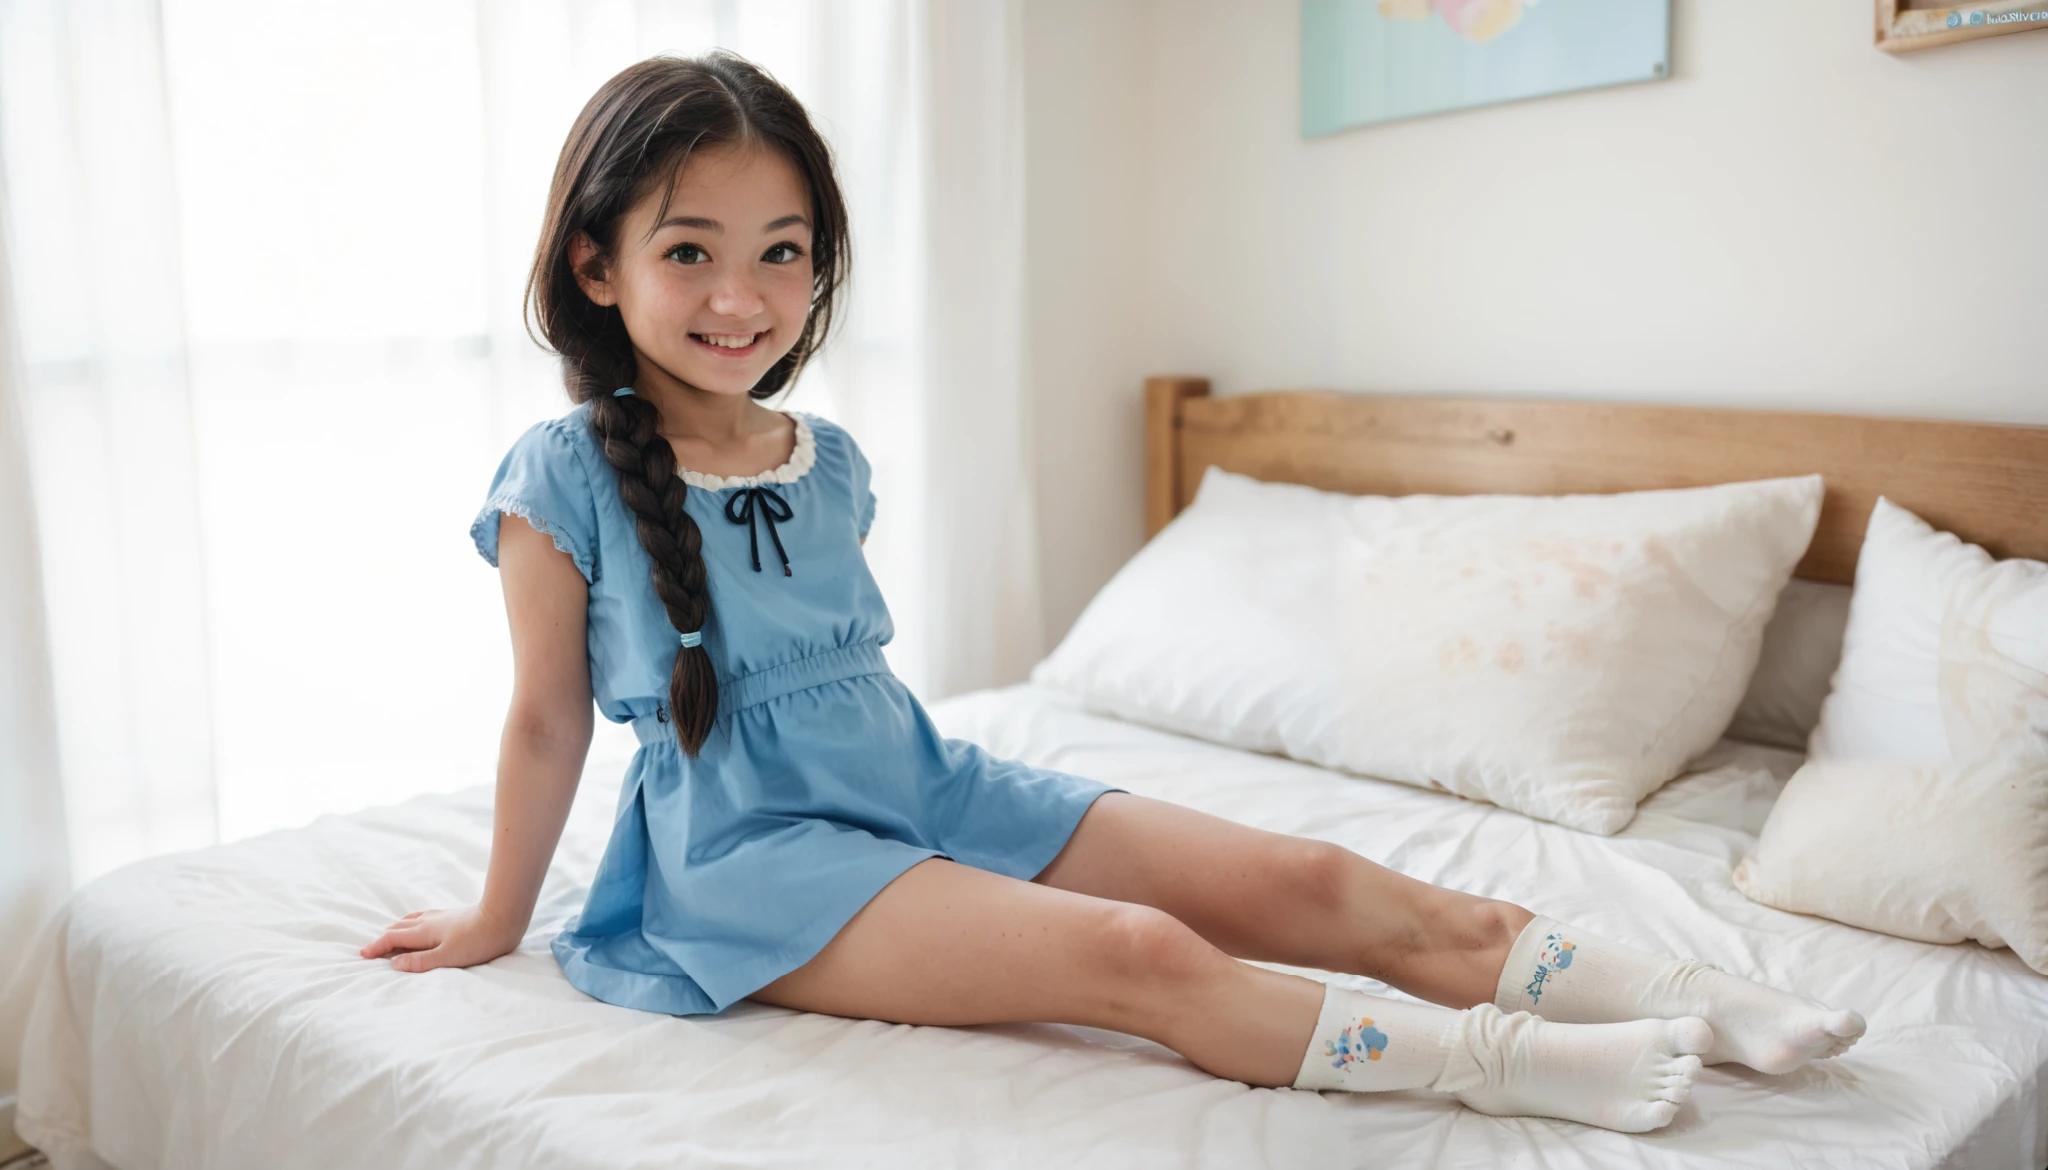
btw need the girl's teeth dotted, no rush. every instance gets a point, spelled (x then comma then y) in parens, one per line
(727, 341)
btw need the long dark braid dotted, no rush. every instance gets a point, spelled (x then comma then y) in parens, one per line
(651, 488)
(637, 132)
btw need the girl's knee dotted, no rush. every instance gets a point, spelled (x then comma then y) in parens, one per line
(1144, 965)
(1140, 945)
(1317, 875)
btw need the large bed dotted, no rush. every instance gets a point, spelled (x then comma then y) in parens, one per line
(208, 1009)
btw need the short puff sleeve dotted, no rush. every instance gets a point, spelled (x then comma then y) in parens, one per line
(542, 480)
(863, 490)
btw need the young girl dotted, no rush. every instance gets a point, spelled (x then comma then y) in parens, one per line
(794, 829)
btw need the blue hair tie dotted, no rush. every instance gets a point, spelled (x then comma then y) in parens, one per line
(693, 638)
(622, 391)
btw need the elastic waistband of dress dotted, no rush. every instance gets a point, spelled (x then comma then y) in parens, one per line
(786, 678)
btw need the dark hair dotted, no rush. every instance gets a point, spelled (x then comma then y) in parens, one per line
(636, 133)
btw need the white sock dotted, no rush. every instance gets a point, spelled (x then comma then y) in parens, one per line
(1366, 1044)
(1630, 1077)
(1566, 975)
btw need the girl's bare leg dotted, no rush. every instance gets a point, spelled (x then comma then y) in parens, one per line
(950, 944)
(1261, 895)
(1282, 899)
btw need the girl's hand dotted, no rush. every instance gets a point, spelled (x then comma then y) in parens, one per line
(444, 938)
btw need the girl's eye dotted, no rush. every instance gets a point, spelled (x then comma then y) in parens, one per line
(689, 254)
(783, 254)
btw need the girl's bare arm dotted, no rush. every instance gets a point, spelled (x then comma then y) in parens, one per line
(540, 759)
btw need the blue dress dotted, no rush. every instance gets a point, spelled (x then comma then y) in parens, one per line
(822, 779)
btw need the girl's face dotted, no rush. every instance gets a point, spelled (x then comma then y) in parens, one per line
(717, 291)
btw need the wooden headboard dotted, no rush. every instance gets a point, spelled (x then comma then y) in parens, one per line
(1986, 483)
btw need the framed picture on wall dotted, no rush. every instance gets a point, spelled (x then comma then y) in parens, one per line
(1919, 24)
(1368, 61)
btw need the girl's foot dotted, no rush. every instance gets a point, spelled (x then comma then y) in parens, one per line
(1630, 1077)
(1769, 1030)
(1568, 976)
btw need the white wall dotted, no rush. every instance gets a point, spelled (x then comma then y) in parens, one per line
(1793, 220)
(1087, 243)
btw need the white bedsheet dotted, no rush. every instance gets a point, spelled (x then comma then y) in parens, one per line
(208, 1010)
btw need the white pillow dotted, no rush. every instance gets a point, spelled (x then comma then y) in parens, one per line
(1559, 655)
(1802, 646)
(1221, 626)
(1928, 614)
(1922, 810)
(1935, 852)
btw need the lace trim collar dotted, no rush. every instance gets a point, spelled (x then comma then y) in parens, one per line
(800, 460)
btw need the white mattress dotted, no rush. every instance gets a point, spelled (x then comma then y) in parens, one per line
(208, 1009)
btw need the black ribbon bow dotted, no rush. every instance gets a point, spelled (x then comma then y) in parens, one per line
(740, 509)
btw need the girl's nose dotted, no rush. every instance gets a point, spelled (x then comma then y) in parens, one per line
(735, 296)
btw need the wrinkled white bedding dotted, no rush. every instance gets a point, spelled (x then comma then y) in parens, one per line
(208, 1010)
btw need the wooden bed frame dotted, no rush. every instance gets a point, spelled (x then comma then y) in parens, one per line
(1986, 483)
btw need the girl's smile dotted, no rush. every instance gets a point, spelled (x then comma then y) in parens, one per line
(729, 345)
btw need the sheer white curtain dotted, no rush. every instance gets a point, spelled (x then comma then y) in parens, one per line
(93, 248)
(34, 869)
(267, 264)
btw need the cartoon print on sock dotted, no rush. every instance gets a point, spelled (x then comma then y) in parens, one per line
(1360, 1041)
(1555, 956)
